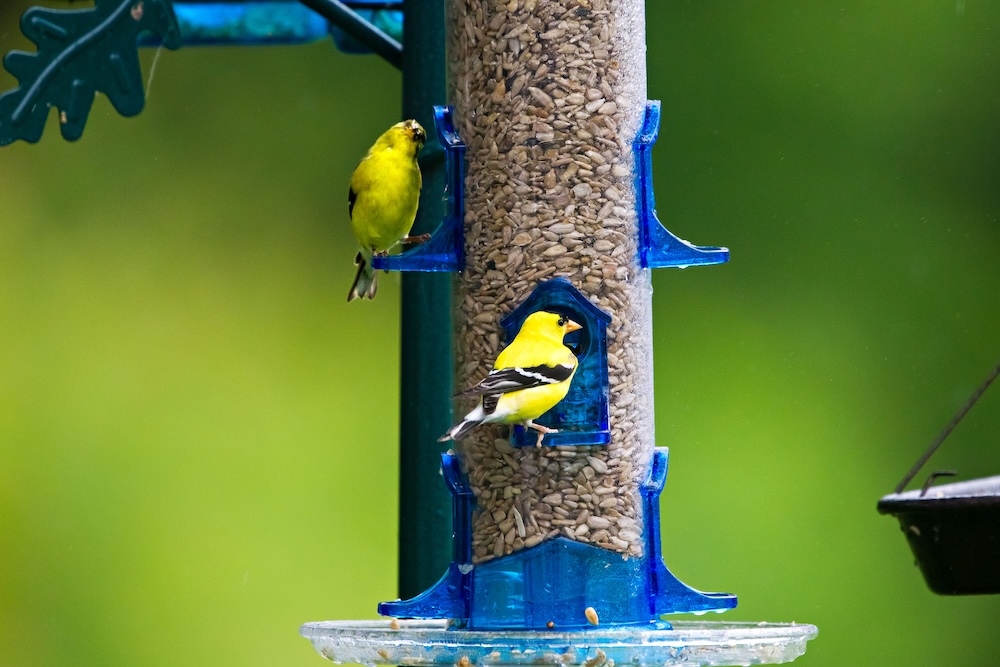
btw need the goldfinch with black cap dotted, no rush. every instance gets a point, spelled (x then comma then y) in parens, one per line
(529, 377)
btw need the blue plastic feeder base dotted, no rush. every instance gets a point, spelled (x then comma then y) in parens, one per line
(551, 585)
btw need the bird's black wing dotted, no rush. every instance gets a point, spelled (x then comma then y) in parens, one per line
(352, 197)
(490, 403)
(503, 380)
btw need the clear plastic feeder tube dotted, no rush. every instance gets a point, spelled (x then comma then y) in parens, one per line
(549, 96)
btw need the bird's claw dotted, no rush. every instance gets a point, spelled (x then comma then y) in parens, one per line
(542, 431)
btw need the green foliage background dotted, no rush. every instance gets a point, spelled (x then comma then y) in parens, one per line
(197, 433)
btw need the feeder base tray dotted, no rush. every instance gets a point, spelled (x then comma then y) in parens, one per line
(433, 643)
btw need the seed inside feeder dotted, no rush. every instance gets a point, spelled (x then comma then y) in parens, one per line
(599, 659)
(548, 123)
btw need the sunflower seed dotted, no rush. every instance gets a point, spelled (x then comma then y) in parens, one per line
(548, 99)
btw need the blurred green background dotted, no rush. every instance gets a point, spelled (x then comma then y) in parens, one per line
(197, 432)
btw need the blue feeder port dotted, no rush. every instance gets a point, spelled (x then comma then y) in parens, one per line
(658, 247)
(450, 596)
(445, 251)
(581, 417)
(555, 581)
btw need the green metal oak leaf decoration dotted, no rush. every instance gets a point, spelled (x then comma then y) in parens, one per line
(80, 52)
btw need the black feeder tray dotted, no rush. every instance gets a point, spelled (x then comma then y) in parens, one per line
(953, 529)
(954, 532)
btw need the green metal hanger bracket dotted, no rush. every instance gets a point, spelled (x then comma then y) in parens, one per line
(85, 51)
(345, 18)
(80, 52)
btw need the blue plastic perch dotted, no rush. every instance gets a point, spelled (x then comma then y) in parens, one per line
(658, 247)
(445, 251)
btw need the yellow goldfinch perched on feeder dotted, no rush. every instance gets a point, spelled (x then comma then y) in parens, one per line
(382, 202)
(529, 377)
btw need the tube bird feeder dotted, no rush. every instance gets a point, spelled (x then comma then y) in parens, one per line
(555, 554)
(556, 549)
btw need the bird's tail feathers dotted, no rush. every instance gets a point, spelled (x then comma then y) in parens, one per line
(460, 430)
(365, 281)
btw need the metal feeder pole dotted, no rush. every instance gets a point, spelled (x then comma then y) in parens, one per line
(425, 363)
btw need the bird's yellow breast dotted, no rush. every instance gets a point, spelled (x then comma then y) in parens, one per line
(524, 404)
(387, 188)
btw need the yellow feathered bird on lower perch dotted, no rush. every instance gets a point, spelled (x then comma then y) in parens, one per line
(529, 377)
(382, 202)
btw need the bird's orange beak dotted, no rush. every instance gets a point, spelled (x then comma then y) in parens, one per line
(572, 326)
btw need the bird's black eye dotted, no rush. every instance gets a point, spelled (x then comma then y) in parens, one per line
(563, 320)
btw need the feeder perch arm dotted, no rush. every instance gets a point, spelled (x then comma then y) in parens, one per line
(658, 246)
(445, 250)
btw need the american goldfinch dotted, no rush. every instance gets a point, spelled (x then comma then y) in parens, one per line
(382, 202)
(530, 376)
